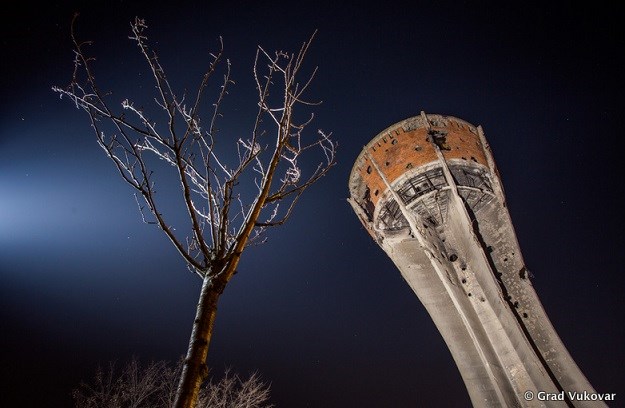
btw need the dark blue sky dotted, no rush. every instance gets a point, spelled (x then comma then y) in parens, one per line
(319, 310)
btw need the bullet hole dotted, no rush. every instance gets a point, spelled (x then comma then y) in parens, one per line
(525, 315)
(505, 259)
(376, 192)
(469, 294)
(463, 158)
(369, 170)
(387, 163)
(489, 249)
(463, 267)
(516, 305)
(425, 226)
(417, 148)
(474, 159)
(464, 280)
(394, 142)
(482, 299)
(523, 273)
(409, 166)
(453, 257)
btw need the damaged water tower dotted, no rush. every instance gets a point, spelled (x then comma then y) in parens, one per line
(428, 192)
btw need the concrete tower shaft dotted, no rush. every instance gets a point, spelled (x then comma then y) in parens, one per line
(428, 192)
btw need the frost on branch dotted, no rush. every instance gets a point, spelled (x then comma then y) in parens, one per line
(230, 196)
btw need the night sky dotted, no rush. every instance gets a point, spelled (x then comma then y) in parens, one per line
(319, 310)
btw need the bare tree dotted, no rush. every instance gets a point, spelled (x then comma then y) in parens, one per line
(233, 392)
(153, 386)
(134, 387)
(229, 199)
(102, 394)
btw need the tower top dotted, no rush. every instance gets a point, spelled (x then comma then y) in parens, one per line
(408, 145)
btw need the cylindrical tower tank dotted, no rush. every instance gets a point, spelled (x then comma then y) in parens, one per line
(428, 192)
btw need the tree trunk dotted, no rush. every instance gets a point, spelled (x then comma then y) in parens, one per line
(195, 370)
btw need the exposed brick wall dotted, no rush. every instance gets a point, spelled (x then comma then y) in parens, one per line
(396, 151)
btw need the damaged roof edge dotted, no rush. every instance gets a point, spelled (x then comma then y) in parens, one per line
(414, 122)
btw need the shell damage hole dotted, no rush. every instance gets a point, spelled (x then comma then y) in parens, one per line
(523, 273)
(439, 138)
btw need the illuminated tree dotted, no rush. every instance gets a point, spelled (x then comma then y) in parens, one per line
(229, 197)
(154, 386)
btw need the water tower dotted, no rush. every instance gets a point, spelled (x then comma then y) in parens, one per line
(428, 192)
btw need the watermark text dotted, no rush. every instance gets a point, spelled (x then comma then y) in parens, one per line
(568, 396)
